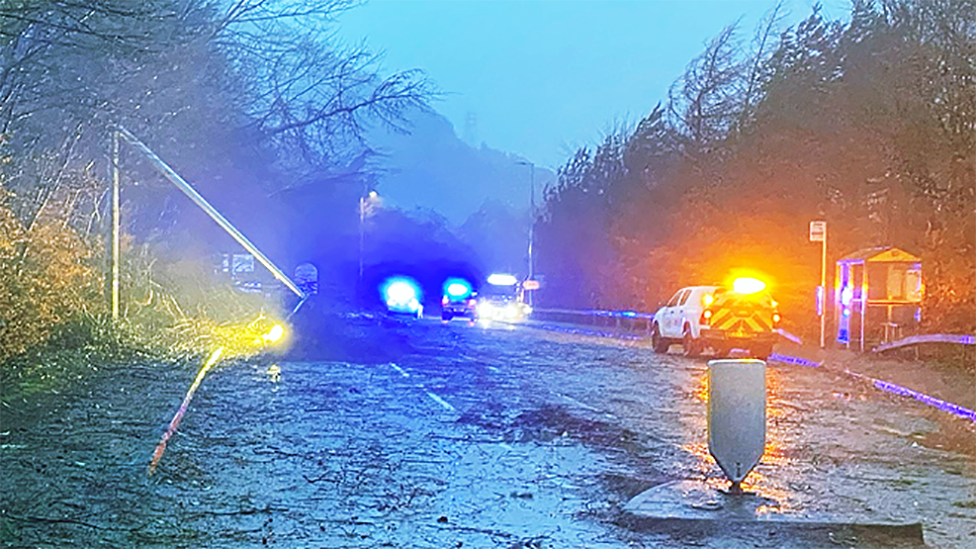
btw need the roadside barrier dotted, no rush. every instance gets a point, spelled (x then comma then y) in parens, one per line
(628, 323)
(620, 321)
(926, 338)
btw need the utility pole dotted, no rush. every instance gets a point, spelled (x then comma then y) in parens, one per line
(180, 183)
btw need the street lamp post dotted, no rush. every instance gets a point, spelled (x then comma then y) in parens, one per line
(364, 200)
(362, 238)
(531, 220)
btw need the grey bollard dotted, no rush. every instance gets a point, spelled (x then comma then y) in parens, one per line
(736, 416)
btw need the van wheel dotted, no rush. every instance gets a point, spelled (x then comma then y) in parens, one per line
(658, 343)
(692, 347)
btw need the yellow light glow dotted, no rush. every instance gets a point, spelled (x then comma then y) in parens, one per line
(708, 299)
(275, 334)
(214, 357)
(748, 285)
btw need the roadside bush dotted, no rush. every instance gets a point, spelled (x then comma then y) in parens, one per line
(47, 279)
(184, 308)
(52, 299)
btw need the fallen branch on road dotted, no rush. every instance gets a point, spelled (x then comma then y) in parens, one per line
(161, 447)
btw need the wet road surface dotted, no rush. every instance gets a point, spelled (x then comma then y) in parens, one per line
(479, 436)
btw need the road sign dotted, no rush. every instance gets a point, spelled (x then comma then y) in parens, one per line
(817, 231)
(531, 284)
(736, 415)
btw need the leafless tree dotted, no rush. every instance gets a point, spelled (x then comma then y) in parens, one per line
(705, 101)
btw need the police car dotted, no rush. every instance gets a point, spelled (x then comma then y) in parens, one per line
(459, 300)
(743, 316)
(402, 295)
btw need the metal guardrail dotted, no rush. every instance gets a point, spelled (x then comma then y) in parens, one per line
(623, 321)
(631, 321)
(926, 338)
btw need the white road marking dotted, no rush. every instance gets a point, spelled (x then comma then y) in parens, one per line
(439, 400)
(473, 359)
(576, 402)
(584, 406)
(435, 398)
(399, 369)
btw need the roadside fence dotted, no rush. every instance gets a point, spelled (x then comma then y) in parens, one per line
(628, 324)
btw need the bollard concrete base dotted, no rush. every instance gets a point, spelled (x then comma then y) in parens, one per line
(691, 499)
(694, 511)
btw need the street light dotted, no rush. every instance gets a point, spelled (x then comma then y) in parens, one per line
(369, 197)
(531, 219)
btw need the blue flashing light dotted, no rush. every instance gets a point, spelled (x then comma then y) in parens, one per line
(457, 288)
(401, 294)
(847, 295)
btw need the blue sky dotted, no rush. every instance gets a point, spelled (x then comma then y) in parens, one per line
(542, 78)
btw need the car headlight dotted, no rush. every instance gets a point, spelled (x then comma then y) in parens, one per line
(485, 309)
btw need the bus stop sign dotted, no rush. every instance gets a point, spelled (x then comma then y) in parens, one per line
(818, 230)
(736, 415)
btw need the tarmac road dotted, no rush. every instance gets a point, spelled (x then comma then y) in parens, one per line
(469, 436)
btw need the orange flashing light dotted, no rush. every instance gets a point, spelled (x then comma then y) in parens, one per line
(748, 285)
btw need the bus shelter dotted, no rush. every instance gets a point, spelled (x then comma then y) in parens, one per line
(877, 295)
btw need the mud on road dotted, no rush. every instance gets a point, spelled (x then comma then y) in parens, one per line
(461, 436)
